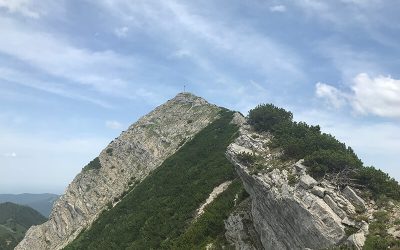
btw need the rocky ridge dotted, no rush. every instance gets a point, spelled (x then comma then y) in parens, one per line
(124, 162)
(290, 209)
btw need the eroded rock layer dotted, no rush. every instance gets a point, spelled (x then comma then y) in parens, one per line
(290, 209)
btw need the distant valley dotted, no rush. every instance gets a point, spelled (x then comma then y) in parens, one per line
(42, 203)
(15, 220)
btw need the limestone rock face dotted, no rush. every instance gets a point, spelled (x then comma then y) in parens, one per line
(125, 161)
(240, 231)
(290, 209)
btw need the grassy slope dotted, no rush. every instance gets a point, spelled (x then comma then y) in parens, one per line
(159, 209)
(15, 220)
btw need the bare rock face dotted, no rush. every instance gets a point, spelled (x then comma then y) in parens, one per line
(240, 231)
(127, 160)
(290, 209)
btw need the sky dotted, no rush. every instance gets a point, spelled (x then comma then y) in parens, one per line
(74, 74)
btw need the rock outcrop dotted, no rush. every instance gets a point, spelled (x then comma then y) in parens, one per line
(127, 160)
(240, 231)
(290, 209)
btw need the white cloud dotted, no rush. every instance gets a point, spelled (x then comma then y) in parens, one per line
(378, 96)
(13, 154)
(114, 125)
(181, 53)
(334, 96)
(121, 32)
(23, 7)
(278, 8)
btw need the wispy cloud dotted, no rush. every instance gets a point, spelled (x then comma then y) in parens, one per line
(56, 57)
(114, 125)
(13, 154)
(334, 96)
(376, 96)
(23, 7)
(278, 8)
(121, 32)
(16, 77)
(207, 39)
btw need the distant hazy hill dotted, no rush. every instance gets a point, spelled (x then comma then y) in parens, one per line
(40, 202)
(15, 220)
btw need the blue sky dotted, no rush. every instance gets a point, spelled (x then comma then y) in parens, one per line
(73, 74)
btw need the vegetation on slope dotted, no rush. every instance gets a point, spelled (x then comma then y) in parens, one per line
(209, 227)
(94, 164)
(326, 157)
(158, 212)
(323, 153)
(15, 220)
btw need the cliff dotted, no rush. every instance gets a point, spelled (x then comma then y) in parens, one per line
(126, 161)
(290, 209)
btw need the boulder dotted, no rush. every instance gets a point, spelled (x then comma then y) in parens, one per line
(332, 204)
(318, 191)
(356, 200)
(357, 240)
(307, 181)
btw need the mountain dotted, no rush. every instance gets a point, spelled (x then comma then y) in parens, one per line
(42, 203)
(15, 221)
(191, 175)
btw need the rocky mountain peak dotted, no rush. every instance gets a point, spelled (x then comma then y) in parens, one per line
(125, 162)
(189, 98)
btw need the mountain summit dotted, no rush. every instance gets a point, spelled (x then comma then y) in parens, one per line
(126, 160)
(191, 175)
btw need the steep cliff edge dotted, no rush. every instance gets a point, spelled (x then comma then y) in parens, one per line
(126, 161)
(290, 209)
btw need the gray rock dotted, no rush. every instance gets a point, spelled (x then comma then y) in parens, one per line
(239, 227)
(332, 204)
(285, 217)
(395, 232)
(127, 159)
(351, 195)
(300, 167)
(346, 221)
(357, 240)
(318, 191)
(307, 181)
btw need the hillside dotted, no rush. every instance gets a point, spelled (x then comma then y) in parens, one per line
(15, 221)
(127, 160)
(191, 175)
(158, 211)
(42, 203)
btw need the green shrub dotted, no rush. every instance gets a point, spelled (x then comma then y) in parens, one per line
(292, 179)
(210, 225)
(161, 207)
(109, 151)
(324, 161)
(322, 152)
(94, 164)
(247, 158)
(379, 182)
(267, 117)
(376, 243)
